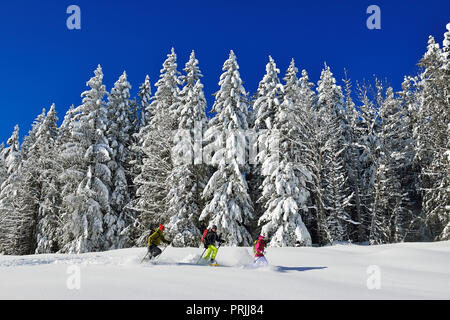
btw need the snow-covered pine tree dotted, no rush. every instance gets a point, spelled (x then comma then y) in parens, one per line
(119, 133)
(86, 176)
(396, 157)
(266, 102)
(133, 229)
(14, 235)
(442, 163)
(437, 198)
(411, 228)
(165, 103)
(333, 198)
(268, 97)
(353, 164)
(65, 129)
(189, 175)
(43, 157)
(145, 93)
(284, 188)
(30, 179)
(146, 114)
(3, 169)
(307, 153)
(431, 94)
(433, 136)
(29, 140)
(228, 204)
(366, 146)
(29, 194)
(378, 181)
(156, 141)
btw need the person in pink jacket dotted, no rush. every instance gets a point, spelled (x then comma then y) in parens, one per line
(258, 248)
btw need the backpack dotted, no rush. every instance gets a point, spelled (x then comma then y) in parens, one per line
(205, 232)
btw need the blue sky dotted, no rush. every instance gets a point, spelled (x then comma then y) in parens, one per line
(42, 62)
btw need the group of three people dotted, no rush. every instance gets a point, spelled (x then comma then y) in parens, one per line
(210, 241)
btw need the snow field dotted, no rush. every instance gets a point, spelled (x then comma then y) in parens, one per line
(405, 271)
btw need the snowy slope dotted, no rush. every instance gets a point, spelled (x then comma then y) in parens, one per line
(406, 271)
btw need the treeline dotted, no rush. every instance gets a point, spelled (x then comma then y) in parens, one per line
(300, 163)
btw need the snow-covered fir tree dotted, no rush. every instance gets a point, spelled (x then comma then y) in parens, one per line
(30, 184)
(266, 102)
(268, 97)
(432, 136)
(156, 142)
(330, 198)
(284, 188)
(3, 169)
(30, 139)
(119, 133)
(14, 236)
(49, 168)
(86, 176)
(189, 175)
(396, 147)
(371, 168)
(133, 228)
(228, 204)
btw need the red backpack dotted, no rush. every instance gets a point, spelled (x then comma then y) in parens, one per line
(205, 232)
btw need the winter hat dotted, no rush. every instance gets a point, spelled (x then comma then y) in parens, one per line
(261, 237)
(214, 227)
(161, 227)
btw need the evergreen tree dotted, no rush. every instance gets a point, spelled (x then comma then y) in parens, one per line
(432, 136)
(30, 139)
(14, 228)
(327, 146)
(49, 168)
(265, 105)
(228, 204)
(353, 163)
(268, 97)
(30, 184)
(156, 146)
(119, 134)
(3, 169)
(87, 176)
(189, 175)
(284, 187)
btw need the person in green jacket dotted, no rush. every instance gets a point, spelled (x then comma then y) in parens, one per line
(154, 241)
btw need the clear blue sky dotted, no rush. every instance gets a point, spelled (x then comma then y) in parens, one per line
(42, 62)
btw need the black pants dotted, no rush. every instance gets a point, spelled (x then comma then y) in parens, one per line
(153, 251)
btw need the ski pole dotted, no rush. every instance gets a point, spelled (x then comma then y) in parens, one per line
(218, 247)
(163, 251)
(201, 255)
(144, 257)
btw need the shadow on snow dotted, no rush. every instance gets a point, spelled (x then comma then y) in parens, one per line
(286, 269)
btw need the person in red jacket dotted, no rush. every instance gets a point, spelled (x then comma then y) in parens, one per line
(258, 248)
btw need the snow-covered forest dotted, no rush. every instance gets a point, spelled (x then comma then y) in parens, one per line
(301, 163)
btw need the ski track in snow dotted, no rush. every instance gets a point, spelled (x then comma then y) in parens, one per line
(407, 271)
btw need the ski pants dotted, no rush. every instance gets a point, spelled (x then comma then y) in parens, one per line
(212, 251)
(154, 251)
